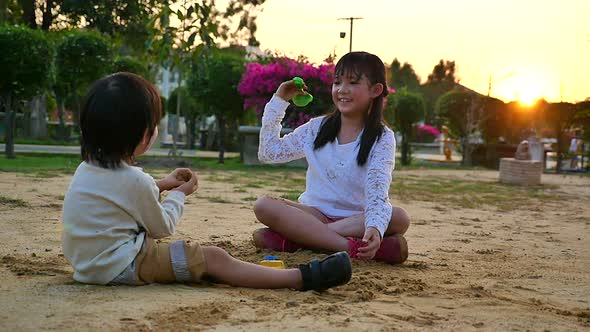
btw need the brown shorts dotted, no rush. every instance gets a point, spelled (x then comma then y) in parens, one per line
(164, 263)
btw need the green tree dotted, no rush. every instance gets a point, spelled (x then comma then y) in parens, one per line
(582, 118)
(214, 84)
(403, 76)
(124, 21)
(441, 80)
(110, 16)
(81, 58)
(561, 116)
(132, 65)
(496, 122)
(189, 109)
(173, 45)
(35, 14)
(176, 46)
(404, 109)
(25, 72)
(464, 112)
(444, 71)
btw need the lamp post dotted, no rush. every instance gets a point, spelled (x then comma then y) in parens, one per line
(343, 34)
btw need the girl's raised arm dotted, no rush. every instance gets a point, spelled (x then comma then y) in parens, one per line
(272, 147)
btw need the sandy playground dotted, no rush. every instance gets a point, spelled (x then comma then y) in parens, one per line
(483, 256)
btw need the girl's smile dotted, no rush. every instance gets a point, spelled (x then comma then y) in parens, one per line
(352, 95)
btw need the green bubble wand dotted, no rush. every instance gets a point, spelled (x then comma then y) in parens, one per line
(301, 100)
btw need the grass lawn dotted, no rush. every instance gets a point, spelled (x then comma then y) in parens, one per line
(406, 187)
(52, 164)
(42, 142)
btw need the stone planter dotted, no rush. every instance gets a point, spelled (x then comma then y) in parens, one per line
(250, 137)
(521, 172)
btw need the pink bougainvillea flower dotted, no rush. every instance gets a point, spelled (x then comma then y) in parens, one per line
(260, 81)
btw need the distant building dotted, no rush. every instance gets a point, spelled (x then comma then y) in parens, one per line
(166, 81)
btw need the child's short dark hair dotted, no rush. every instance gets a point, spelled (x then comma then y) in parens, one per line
(117, 112)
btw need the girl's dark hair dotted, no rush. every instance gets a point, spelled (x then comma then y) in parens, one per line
(117, 112)
(357, 64)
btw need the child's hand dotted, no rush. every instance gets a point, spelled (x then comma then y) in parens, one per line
(182, 174)
(189, 186)
(287, 90)
(178, 177)
(372, 238)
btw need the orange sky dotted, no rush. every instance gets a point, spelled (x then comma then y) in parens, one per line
(530, 47)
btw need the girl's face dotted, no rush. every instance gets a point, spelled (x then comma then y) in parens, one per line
(353, 95)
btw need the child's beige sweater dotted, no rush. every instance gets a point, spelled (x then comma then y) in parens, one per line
(106, 216)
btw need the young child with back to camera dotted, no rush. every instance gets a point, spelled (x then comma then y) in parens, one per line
(112, 213)
(350, 154)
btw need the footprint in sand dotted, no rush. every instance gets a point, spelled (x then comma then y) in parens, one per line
(36, 266)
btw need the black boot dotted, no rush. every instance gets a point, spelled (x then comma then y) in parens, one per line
(332, 271)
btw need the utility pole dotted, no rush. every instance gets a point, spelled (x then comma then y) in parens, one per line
(351, 19)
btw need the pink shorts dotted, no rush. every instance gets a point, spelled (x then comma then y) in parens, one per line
(329, 220)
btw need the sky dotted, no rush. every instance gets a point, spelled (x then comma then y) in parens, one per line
(529, 48)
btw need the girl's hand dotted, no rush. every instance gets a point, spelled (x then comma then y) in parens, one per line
(189, 186)
(372, 238)
(287, 90)
(177, 178)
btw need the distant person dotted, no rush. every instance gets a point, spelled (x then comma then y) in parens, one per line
(112, 213)
(575, 149)
(350, 153)
(447, 143)
(523, 151)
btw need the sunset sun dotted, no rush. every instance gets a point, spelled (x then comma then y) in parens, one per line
(528, 92)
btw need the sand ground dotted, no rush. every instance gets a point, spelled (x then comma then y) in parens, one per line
(499, 263)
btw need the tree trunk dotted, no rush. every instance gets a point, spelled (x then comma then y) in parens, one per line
(47, 15)
(29, 8)
(76, 113)
(463, 151)
(559, 151)
(187, 124)
(190, 133)
(38, 117)
(26, 124)
(177, 120)
(468, 148)
(3, 10)
(221, 125)
(9, 120)
(61, 130)
(405, 149)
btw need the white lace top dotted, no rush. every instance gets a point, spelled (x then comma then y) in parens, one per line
(335, 184)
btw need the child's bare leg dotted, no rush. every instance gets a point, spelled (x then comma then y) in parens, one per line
(297, 225)
(355, 225)
(231, 271)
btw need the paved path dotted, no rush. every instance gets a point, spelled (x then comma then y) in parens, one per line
(31, 148)
(76, 150)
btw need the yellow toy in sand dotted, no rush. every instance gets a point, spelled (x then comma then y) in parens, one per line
(272, 261)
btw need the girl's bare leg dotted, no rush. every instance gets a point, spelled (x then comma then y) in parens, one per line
(303, 226)
(355, 225)
(234, 272)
